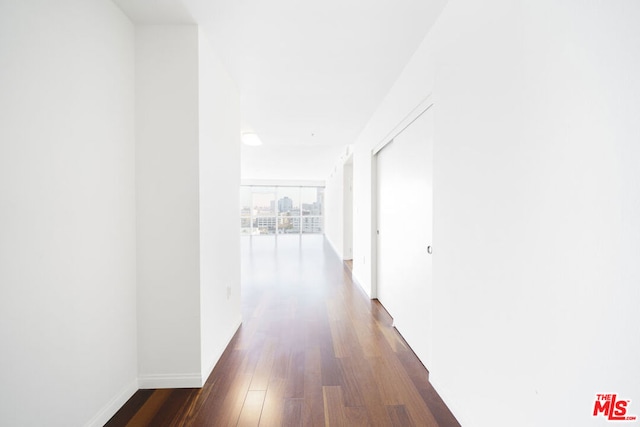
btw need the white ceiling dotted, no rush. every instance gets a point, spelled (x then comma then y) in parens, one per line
(310, 74)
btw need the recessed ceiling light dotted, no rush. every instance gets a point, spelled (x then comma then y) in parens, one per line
(251, 138)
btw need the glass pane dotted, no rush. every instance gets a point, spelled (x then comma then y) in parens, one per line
(312, 199)
(312, 224)
(245, 225)
(288, 224)
(263, 205)
(263, 201)
(288, 201)
(283, 210)
(288, 208)
(264, 225)
(245, 201)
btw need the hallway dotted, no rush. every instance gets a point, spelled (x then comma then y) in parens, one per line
(312, 350)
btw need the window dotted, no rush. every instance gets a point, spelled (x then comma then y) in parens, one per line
(281, 210)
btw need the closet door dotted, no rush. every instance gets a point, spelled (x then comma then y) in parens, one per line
(404, 232)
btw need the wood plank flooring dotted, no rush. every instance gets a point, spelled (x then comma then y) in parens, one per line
(313, 350)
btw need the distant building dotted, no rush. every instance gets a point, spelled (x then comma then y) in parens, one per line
(312, 208)
(285, 204)
(310, 224)
(284, 216)
(266, 224)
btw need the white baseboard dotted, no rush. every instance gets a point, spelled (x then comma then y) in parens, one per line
(170, 381)
(338, 252)
(356, 281)
(153, 381)
(444, 395)
(114, 405)
(209, 370)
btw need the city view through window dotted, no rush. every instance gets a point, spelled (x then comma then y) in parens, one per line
(281, 210)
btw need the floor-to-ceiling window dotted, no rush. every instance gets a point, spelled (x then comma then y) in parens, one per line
(281, 210)
(311, 201)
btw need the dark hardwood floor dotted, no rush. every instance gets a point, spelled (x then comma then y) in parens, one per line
(313, 350)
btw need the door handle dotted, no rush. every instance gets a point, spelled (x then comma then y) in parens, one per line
(429, 249)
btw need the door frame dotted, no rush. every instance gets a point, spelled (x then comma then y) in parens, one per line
(347, 208)
(411, 117)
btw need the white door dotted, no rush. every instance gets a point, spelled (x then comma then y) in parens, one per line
(405, 212)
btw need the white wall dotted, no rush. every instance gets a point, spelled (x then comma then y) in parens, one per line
(70, 168)
(336, 201)
(188, 175)
(536, 206)
(167, 180)
(67, 212)
(167, 186)
(347, 214)
(334, 209)
(219, 141)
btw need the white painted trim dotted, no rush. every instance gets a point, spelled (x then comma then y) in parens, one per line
(354, 278)
(217, 359)
(444, 395)
(373, 262)
(333, 246)
(420, 109)
(347, 208)
(114, 405)
(170, 381)
(355, 281)
(282, 183)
